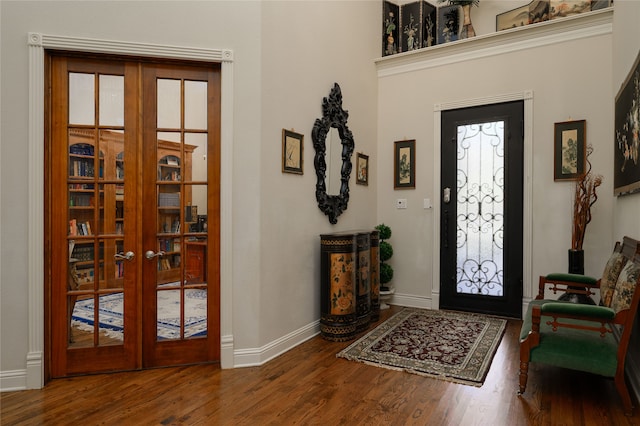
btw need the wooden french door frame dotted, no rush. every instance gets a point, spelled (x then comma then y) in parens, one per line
(527, 97)
(128, 355)
(175, 352)
(38, 368)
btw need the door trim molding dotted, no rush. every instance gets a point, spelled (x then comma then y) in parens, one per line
(527, 225)
(37, 43)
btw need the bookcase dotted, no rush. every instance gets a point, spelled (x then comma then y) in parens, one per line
(172, 170)
(96, 213)
(95, 198)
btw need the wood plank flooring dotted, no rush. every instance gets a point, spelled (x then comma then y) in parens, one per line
(310, 386)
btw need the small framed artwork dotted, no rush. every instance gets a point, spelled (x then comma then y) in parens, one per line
(292, 151)
(362, 169)
(569, 150)
(518, 17)
(626, 157)
(404, 166)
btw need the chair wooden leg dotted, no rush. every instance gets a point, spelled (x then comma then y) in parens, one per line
(524, 370)
(623, 391)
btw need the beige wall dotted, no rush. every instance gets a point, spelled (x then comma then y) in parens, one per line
(306, 48)
(569, 80)
(286, 57)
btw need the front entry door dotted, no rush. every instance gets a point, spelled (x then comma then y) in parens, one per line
(481, 209)
(133, 214)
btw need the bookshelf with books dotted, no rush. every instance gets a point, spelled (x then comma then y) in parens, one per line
(173, 169)
(95, 200)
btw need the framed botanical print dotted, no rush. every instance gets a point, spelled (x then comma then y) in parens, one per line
(292, 151)
(404, 165)
(569, 150)
(362, 169)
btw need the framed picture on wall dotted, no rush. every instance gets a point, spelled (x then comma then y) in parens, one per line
(404, 166)
(292, 151)
(626, 157)
(362, 169)
(569, 150)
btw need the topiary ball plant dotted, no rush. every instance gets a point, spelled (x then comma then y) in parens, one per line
(386, 251)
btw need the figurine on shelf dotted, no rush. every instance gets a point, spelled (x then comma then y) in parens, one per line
(467, 27)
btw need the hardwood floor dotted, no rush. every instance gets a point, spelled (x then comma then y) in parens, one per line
(309, 385)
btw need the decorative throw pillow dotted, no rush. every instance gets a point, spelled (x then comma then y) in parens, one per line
(610, 277)
(625, 286)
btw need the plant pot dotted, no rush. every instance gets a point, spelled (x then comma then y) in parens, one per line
(576, 266)
(385, 296)
(576, 261)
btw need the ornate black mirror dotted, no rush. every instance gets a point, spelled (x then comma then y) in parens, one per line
(334, 119)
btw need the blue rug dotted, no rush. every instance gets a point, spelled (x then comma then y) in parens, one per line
(168, 321)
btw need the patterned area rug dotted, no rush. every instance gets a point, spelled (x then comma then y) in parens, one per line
(453, 346)
(168, 324)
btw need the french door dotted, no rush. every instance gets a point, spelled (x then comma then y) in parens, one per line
(133, 214)
(481, 209)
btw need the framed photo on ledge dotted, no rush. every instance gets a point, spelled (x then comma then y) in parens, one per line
(362, 169)
(569, 150)
(292, 151)
(404, 165)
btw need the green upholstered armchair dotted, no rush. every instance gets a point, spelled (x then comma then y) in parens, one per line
(587, 338)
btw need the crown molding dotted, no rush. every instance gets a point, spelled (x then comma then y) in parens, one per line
(581, 26)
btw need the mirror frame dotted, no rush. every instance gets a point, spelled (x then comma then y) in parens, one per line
(333, 116)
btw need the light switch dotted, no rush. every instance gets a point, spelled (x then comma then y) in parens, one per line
(401, 203)
(427, 203)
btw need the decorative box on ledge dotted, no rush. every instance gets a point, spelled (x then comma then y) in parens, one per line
(408, 27)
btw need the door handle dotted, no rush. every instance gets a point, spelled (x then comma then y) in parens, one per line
(125, 256)
(446, 196)
(150, 254)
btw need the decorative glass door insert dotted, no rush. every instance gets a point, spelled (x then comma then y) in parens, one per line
(480, 209)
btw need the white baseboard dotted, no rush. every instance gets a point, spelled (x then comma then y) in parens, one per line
(410, 301)
(13, 380)
(257, 356)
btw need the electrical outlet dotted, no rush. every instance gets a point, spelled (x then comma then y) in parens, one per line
(401, 203)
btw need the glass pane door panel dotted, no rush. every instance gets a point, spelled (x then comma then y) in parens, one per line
(195, 105)
(111, 319)
(195, 307)
(196, 144)
(169, 102)
(196, 221)
(170, 314)
(480, 207)
(82, 99)
(113, 265)
(81, 320)
(111, 96)
(112, 143)
(168, 215)
(195, 255)
(82, 162)
(169, 260)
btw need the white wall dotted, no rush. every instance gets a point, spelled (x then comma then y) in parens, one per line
(286, 57)
(569, 80)
(307, 46)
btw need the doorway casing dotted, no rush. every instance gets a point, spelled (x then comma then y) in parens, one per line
(527, 97)
(37, 44)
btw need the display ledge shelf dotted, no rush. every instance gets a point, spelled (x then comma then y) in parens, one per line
(576, 27)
